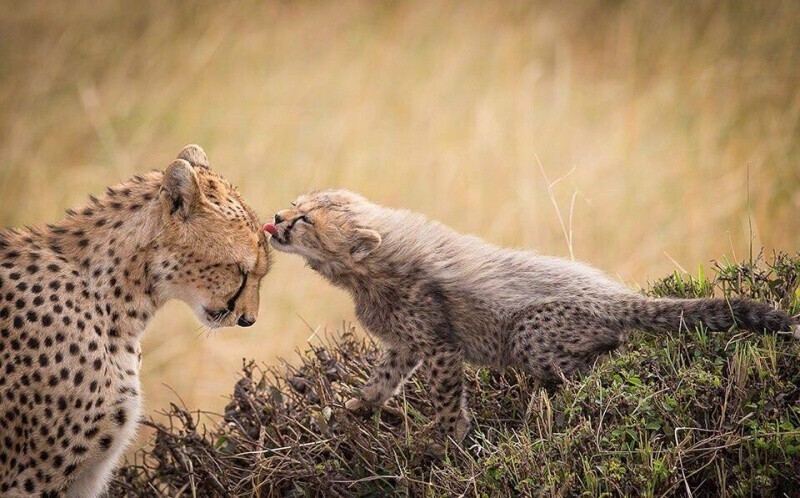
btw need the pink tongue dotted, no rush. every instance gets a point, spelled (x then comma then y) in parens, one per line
(270, 228)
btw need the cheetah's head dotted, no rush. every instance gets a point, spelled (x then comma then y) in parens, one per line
(326, 228)
(211, 253)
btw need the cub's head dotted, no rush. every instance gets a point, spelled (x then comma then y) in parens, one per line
(211, 253)
(325, 228)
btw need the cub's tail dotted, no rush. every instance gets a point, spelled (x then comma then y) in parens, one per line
(663, 315)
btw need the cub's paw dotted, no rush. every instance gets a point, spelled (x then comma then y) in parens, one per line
(358, 405)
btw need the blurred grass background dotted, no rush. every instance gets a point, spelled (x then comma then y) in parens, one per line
(653, 113)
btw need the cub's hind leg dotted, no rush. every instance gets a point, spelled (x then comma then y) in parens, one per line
(395, 366)
(556, 340)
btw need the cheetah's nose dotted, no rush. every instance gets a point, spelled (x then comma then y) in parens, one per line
(245, 321)
(278, 219)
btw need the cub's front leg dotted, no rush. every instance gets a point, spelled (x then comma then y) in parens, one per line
(445, 371)
(394, 367)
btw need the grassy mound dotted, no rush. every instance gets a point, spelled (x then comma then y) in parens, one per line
(688, 412)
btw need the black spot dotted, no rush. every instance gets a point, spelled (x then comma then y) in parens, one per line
(120, 417)
(105, 442)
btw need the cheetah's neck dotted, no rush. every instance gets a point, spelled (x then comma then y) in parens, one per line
(108, 244)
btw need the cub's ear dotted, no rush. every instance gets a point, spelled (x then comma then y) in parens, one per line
(365, 242)
(180, 190)
(194, 155)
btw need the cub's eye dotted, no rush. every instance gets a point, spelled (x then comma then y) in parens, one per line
(302, 218)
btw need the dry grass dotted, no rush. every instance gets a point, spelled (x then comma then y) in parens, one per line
(661, 109)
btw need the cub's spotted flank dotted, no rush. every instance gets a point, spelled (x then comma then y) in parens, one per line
(436, 298)
(75, 298)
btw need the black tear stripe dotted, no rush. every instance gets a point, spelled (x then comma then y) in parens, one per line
(232, 302)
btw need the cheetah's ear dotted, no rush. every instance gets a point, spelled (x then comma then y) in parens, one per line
(194, 155)
(365, 242)
(180, 191)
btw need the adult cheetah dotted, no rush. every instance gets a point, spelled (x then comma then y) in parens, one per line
(75, 298)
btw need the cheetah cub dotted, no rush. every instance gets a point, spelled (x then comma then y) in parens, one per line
(75, 298)
(437, 298)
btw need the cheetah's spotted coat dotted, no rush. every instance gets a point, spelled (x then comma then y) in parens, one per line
(75, 298)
